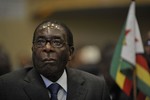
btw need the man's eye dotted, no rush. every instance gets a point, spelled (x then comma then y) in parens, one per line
(40, 41)
(57, 42)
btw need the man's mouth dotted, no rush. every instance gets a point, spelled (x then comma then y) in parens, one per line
(49, 60)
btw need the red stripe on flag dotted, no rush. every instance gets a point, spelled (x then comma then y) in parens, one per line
(142, 61)
(127, 86)
(141, 96)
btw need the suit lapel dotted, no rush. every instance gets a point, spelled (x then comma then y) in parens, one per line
(34, 86)
(76, 88)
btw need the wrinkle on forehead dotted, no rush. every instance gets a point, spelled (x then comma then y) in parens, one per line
(50, 25)
(46, 27)
(50, 30)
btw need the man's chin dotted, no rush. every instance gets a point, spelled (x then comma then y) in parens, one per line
(47, 70)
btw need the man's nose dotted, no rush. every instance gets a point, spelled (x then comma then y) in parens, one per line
(48, 47)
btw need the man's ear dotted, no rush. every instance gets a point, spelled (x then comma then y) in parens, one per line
(71, 51)
(32, 48)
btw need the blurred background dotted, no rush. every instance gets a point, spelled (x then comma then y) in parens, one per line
(93, 22)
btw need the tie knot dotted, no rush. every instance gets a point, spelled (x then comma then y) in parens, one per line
(54, 88)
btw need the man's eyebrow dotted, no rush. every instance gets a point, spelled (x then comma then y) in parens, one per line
(52, 37)
(42, 37)
(56, 37)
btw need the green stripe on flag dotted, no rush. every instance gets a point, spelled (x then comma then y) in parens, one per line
(143, 87)
(117, 56)
(127, 69)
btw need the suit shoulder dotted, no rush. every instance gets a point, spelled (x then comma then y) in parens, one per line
(85, 75)
(15, 75)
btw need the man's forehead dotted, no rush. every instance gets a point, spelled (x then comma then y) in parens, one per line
(49, 29)
(50, 25)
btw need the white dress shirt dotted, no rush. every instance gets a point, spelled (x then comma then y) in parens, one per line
(62, 81)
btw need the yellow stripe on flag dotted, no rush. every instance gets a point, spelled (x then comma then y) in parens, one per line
(147, 98)
(143, 74)
(120, 78)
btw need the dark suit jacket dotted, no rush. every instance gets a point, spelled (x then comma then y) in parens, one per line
(26, 84)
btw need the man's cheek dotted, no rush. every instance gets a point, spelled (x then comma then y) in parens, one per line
(64, 57)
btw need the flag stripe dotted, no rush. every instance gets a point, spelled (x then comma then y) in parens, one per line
(142, 61)
(143, 74)
(120, 78)
(123, 82)
(116, 57)
(143, 87)
(147, 98)
(127, 86)
(141, 96)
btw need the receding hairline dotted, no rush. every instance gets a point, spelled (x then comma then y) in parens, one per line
(60, 25)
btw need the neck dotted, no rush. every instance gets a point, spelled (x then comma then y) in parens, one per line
(55, 76)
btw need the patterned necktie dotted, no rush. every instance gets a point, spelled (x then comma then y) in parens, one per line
(54, 88)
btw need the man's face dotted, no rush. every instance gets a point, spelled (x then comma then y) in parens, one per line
(50, 59)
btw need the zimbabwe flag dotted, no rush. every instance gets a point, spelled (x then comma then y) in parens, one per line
(128, 57)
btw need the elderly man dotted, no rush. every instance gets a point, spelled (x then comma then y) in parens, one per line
(49, 78)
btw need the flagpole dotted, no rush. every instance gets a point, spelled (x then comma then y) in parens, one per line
(134, 79)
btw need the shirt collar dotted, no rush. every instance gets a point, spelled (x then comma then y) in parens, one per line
(62, 81)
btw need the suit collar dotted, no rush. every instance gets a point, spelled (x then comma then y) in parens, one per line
(34, 86)
(35, 89)
(62, 81)
(76, 88)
